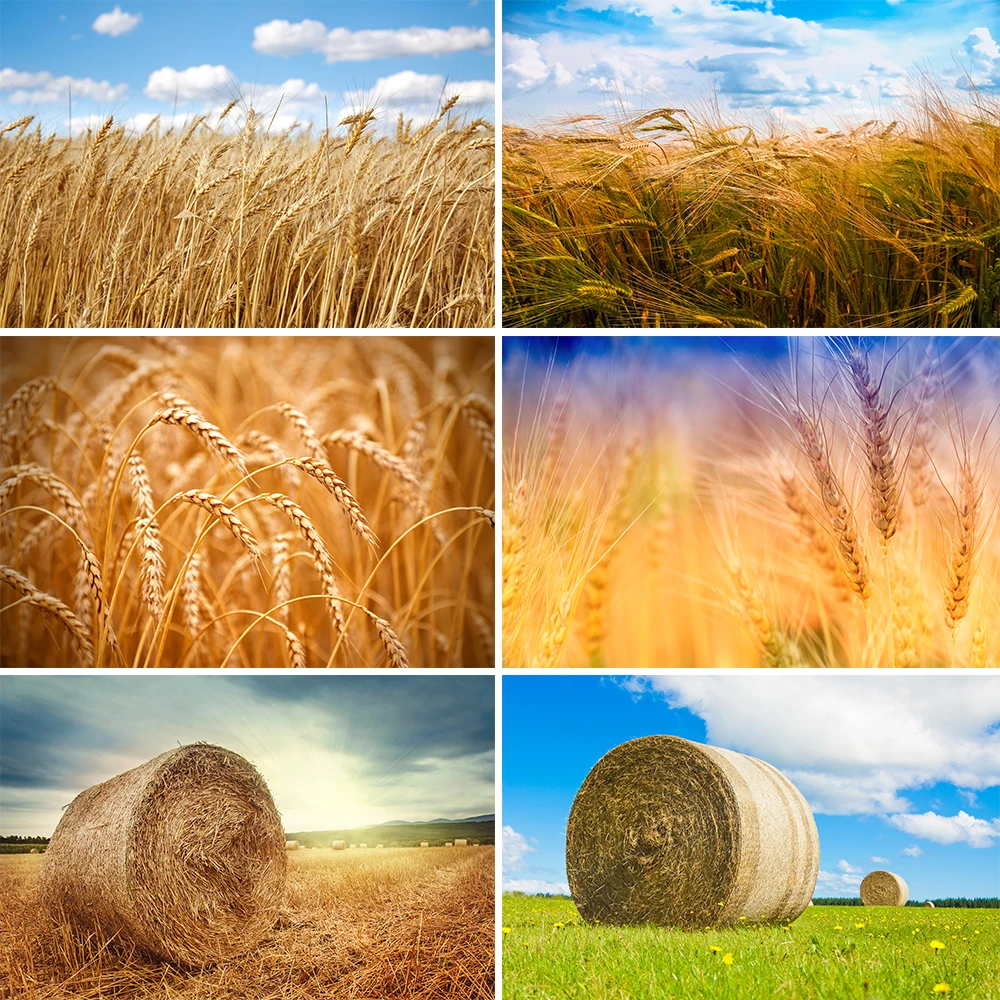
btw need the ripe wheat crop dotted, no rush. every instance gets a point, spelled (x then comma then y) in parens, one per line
(661, 220)
(204, 227)
(246, 502)
(835, 506)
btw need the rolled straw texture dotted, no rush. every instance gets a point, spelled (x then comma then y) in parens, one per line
(339, 845)
(292, 845)
(883, 889)
(670, 832)
(181, 858)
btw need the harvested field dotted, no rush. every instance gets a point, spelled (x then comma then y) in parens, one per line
(247, 502)
(401, 923)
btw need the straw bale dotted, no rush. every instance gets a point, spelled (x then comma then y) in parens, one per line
(339, 845)
(881, 888)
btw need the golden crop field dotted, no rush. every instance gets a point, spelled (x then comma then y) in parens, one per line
(404, 922)
(836, 506)
(660, 219)
(207, 227)
(247, 502)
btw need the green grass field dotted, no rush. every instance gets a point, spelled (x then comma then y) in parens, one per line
(830, 952)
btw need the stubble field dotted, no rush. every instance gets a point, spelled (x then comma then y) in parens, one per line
(408, 922)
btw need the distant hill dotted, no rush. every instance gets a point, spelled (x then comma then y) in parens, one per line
(420, 822)
(404, 834)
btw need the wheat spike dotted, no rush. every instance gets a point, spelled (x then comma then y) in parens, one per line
(322, 473)
(963, 551)
(153, 565)
(225, 515)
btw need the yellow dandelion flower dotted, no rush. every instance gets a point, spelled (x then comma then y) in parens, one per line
(942, 988)
(728, 958)
(505, 930)
(714, 949)
(838, 928)
(936, 945)
(858, 926)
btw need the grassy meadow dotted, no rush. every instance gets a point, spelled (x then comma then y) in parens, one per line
(408, 923)
(247, 502)
(223, 224)
(829, 953)
(659, 219)
(832, 507)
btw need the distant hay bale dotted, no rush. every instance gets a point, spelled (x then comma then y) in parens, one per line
(378, 846)
(883, 889)
(34, 850)
(449, 844)
(928, 903)
(670, 832)
(180, 858)
(352, 845)
(461, 842)
(423, 843)
(364, 845)
(339, 845)
(292, 845)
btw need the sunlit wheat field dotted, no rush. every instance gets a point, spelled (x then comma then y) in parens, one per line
(228, 223)
(829, 953)
(825, 503)
(668, 219)
(247, 502)
(399, 922)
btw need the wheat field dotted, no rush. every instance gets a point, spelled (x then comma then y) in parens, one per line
(227, 225)
(246, 502)
(832, 506)
(665, 219)
(405, 922)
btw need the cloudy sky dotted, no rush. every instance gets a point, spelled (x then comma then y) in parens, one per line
(901, 772)
(816, 61)
(336, 751)
(183, 58)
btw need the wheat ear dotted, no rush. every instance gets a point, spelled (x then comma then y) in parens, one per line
(322, 473)
(225, 515)
(186, 416)
(963, 551)
(513, 543)
(154, 568)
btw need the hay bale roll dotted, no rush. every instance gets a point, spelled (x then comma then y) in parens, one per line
(180, 858)
(423, 843)
(928, 903)
(883, 889)
(339, 845)
(460, 842)
(449, 844)
(670, 832)
(292, 845)
(34, 850)
(364, 845)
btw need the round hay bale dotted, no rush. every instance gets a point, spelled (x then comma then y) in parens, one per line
(352, 845)
(883, 889)
(180, 858)
(460, 842)
(292, 845)
(34, 850)
(666, 831)
(449, 844)
(928, 903)
(423, 843)
(339, 845)
(364, 845)
(378, 847)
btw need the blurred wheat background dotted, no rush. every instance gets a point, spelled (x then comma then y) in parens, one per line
(831, 502)
(662, 219)
(220, 226)
(247, 501)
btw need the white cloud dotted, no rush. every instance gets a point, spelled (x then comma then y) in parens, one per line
(44, 88)
(848, 869)
(983, 55)
(838, 885)
(880, 861)
(911, 852)
(196, 83)
(525, 67)
(116, 22)
(536, 887)
(514, 848)
(430, 88)
(969, 798)
(284, 38)
(959, 829)
(853, 745)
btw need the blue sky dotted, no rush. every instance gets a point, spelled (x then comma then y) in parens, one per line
(136, 58)
(336, 751)
(809, 61)
(901, 772)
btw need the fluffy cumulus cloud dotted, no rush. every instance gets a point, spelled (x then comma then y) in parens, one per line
(116, 22)
(286, 38)
(879, 861)
(514, 848)
(911, 852)
(536, 887)
(44, 88)
(982, 54)
(960, 829)
(846, 868)
(196, 83)
(855, 745)
(430, 88)
(838, 883)
(525, 66)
